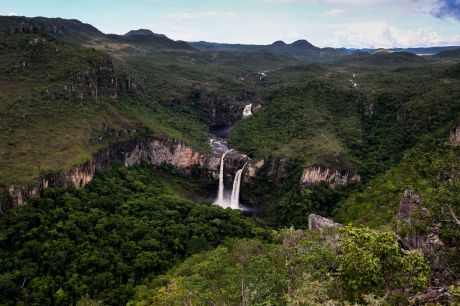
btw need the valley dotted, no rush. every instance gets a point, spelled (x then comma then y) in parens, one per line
(139, 170)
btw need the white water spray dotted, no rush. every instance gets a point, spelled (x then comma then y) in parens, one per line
(220, 194)
(247, 112)
(235, 199)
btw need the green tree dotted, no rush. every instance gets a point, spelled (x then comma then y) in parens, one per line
(371, 262)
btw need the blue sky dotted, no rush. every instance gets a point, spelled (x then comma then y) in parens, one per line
(335, 23)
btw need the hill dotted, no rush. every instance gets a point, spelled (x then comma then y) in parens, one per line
(383, 58)
(62, 103)
(300, 49)
(105, 141)
(76, 32)
(448, 55)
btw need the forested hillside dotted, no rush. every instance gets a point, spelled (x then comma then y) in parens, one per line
(122, 230)
(338, 177)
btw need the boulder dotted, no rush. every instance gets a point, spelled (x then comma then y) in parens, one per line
(320, 224)
(409, 237)
(432, 295)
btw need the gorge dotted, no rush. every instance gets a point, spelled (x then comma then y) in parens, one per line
(139, 170)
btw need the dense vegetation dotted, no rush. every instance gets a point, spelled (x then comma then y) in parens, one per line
(141, 236)
(320, 119)
(430, 173)
(303, 270)
(122, 230)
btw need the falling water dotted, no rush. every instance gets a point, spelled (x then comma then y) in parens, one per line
(235, 199)
(247, 111)
(220, 194)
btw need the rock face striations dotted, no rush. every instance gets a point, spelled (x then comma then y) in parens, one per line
(455, 135)
(409, 236)
(334, 178)
(154, 151)
(93, 84)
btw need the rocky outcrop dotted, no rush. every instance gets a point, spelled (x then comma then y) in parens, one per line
(320, 224)
(253, 167)
(222, 110)
(433, 295)
(278, 169)
(455, 135)
(369, 109)
(409, 236)
(154, 151)
(92, 83)
(34, 27)
(334, 178)
(327, 228)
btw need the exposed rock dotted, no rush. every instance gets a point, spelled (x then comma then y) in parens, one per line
(455, 135)
(154, 151)
(221, 110)
(254, 166)
(130, 85)
(91, 83)
(369, 109)
(34, 27)
(278, 170)
(327, 228)
(316, 174)
(408, 236)
(435, 295)
(320, 224)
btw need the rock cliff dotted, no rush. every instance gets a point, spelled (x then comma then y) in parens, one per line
(93, 84)
(320, 224)
(409, 235)
(334, 178)
(154, 151)
(455, 135)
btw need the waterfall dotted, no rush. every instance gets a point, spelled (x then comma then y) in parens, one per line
(220, 194)
(235, 199)
(247, 111)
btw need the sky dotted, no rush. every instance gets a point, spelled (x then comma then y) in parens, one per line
(325, 23)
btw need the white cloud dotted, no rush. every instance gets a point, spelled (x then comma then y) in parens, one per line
(337, 2)
(379, 34)
(199, 15)
(12, 14)
(333, 12)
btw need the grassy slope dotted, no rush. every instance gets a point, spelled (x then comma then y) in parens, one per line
(40, 135)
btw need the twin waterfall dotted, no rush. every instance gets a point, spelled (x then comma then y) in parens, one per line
(235, 196)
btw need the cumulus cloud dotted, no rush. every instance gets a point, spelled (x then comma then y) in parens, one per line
(379, 34)
(446, 8)
(12, 14)
(333, 12)
(199, 15)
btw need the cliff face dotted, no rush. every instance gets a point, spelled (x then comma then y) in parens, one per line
(93, 84)
(316, 174)
(154, 151)
(410, 237)
(455, 135)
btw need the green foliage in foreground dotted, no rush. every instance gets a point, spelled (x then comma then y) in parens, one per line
(304, 270)
(99, 242)
(371, 262)
(430, 173)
